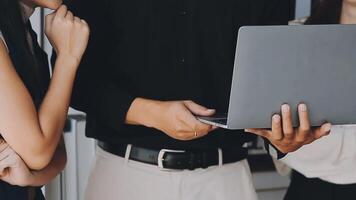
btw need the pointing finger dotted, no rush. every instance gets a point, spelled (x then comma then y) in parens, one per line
(61, 12)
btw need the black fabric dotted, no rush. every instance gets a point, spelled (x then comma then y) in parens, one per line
(268, 144)
(302, 188)
(162, 50)
(8, 192)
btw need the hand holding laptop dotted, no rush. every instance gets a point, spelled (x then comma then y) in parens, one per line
(288, 139)
(174, 118)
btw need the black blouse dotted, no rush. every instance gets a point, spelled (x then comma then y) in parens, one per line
(9, 192)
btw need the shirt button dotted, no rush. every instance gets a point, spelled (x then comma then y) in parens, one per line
(183, 12)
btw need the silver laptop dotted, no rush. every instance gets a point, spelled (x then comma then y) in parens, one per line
(314, 64)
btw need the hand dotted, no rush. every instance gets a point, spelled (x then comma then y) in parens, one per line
(288, 139)
(12, 168)
(175, 118)
(68, 34)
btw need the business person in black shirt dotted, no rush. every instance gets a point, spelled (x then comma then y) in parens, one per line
(149, 67)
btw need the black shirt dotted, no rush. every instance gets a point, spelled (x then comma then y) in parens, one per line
(162, 50)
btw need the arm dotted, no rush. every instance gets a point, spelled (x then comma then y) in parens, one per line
(56, 165)
(33, 134)
(15, 172)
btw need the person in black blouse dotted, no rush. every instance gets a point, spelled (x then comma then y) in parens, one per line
(34, 108)
(151, 65)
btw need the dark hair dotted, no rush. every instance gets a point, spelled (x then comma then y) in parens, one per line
(327, 12)
(13, 28)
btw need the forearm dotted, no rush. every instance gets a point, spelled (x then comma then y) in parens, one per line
(142, 112)
(34, 134)
(56, 165)
(53, 111)
(42, 144)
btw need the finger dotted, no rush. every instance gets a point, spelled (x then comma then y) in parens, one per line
(198, 109)
(277, 132)
(324, 130)
(287, 124)
(304, 123)
(3, 146)
(49, 18)
(4, 164)
(5, 153)
(61, 12)
(196, 126)
(2, 170)
(77, 20)
(188, 121)
(69, 16)
(186, 136)
(261, 132)
(83, 21)
(202, 129)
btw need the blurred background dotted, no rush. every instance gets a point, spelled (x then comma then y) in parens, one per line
(70, 185)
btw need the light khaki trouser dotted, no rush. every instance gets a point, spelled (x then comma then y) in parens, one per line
(116, 178)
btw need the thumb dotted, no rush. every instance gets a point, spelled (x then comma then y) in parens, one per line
(49, 18)
(198, 109)
(323, 130)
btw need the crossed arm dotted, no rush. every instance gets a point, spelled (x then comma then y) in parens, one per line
(15, 172)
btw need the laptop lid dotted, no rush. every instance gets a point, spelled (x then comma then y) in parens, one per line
(315, 64)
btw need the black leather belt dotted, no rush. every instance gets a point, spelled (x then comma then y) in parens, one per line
(175, 159)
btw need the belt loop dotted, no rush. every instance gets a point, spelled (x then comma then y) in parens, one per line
(221, 158)
(127, 153)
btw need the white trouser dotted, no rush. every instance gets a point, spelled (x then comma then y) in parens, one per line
(116, 178)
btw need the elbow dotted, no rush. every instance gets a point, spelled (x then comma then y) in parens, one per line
(44, 158)
(39, 161)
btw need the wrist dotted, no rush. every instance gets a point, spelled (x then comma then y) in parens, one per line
(144, 112)
(69, 59)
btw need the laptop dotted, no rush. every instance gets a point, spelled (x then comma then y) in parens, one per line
(313, 64)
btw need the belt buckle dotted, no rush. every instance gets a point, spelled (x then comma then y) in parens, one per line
(161, 154)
